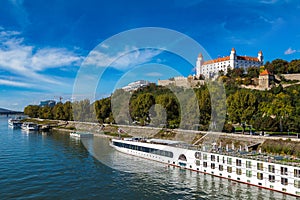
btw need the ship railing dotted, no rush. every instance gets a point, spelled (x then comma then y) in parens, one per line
(258, 157)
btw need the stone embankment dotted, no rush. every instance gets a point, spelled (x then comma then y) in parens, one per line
(188, 136)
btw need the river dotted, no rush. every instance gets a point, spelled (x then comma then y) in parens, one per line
(55, 166)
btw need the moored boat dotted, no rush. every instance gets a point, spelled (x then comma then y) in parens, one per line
(14, 123)
(81, 135)
(30, 126)
(253, 169)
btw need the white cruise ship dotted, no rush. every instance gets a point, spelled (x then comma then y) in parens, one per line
(253, 169)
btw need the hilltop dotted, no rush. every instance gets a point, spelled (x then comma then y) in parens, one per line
(6, 111)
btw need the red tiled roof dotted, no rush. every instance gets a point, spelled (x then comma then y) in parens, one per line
(217, 60)
(265, 72)
(247, 58)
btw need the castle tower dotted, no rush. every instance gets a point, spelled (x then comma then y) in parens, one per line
(260, 57)
(232, 58)
(265, 79)
(199, 64)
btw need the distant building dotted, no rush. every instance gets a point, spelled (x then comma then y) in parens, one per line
(211, 68)
(180, 81)
(265, 79)
(50, 103)
(135, 85)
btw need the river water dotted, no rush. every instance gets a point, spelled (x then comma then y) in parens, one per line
(53, 165)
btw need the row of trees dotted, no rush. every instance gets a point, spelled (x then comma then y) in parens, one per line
(279, 66)
(60, 111)
(274, 110)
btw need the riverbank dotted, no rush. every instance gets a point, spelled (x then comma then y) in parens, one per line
(189, 136)
(284, 145)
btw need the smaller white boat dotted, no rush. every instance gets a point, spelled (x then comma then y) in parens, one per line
(14, 123)
(81, 135)
(30, 126)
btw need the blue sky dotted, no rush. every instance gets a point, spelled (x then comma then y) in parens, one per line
(44, 43)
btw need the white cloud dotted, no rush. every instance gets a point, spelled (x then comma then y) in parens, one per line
(290, 51)
(14, 83)
(122, 60)
(28, 61)
(52, 58)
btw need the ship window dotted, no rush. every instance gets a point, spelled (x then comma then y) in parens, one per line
(223, 159)
(144, 149)
(284, 181)
(213, 158)
(260, 166)
(212, 165)
(297, 173)
(297, 183)
(229, 169)
(197, 155)
(229, 161)
(283, 170)
(204, 164)
(182, 157)
(272, 178)
(204, 156)
(238, 162)
(221, 167)
(248, 164)
(198, 162)
(239, 171)
(271, 168)
(248, 173)
(260, 176)
(218, 159)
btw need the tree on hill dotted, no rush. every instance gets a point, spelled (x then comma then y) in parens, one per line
(241, 106)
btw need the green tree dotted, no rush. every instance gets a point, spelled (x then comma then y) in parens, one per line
(103, 109)
(45, 112)
(169, 102)
(140, 107)
(32, 111)
(241, 106)
(58, 111)
(67, 109)
(252, 72)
